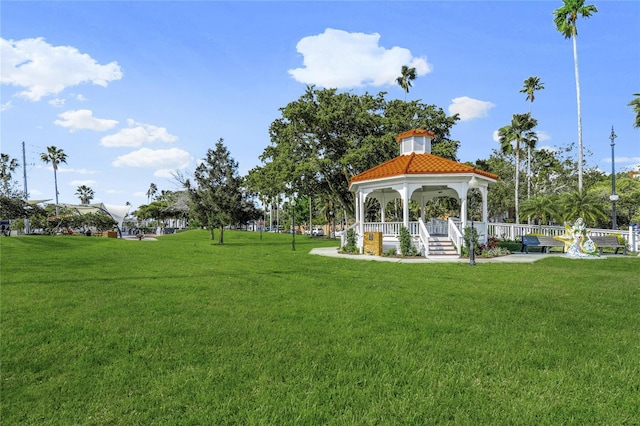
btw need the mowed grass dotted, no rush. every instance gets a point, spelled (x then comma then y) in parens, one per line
(183, 331)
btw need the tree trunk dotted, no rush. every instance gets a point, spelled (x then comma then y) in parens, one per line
(580, 154)
(517, 204)
(221, 238)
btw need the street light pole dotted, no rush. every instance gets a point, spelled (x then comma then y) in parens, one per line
(614, 196)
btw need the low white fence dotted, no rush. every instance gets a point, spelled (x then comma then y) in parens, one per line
(503, 231)
(511, 231)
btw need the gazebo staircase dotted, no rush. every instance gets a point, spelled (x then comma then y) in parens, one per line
(442, 246)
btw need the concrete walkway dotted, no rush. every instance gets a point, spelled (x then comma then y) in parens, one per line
(512, 258)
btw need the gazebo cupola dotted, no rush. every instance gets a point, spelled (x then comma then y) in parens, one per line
(415, 141)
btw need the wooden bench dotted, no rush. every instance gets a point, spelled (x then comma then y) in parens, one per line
(609, 241)
(545, 243)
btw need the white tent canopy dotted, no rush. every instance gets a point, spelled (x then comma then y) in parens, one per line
(118, 213)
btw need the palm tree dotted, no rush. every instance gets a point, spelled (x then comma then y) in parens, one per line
(636, 108)
(587, 205)
(531, 85)
(85, 194)
(566, 20)
(542, 208)
(54, 156)
(405, 79)
(153, 189)
(520, 131)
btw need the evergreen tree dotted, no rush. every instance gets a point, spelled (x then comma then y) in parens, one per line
(217, 197)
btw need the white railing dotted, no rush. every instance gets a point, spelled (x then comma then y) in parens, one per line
(387, 228)
(390, 229)
(513, 232)
(453, 231)
(437, 226)
(424, 236)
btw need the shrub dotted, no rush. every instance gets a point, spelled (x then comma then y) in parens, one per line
(406, 243)
(391, 252)
(350, 246)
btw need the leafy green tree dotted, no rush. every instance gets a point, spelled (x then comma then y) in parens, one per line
(566, 21)
(407, 75)
(54, 156)
(8, 165)
(512, 137)
(85, 194)
(218, 194)
(531, 86)
(635, 103)
(325, 138)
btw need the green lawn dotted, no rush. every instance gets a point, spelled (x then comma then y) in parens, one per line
(182, 331)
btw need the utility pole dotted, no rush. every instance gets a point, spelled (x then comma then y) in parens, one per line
(26, 192)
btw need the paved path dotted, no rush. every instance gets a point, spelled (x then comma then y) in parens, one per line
(512, 258)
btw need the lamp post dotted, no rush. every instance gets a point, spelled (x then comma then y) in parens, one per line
(293, 224)
(473, 185)
(614, 196)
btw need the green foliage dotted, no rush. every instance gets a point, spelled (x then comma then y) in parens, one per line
(8, 186)
(350, 246)
(179, 331)
(390, 252)
(468, 232)
(325, 138)
(587, 205)
(217, 198)
(406, 243)
(635, 103)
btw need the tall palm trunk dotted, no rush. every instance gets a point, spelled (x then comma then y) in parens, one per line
(580, 155)
(55, 184)
(517, 194)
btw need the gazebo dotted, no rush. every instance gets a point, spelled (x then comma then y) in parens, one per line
(418, 175)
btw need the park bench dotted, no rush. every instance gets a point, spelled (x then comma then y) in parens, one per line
(545, 243)
(609, 241)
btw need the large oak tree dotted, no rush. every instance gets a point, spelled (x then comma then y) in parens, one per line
(325, 138)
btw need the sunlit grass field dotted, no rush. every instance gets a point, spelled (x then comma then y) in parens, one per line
(183, 331)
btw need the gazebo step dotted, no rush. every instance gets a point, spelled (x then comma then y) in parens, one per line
(442, 246)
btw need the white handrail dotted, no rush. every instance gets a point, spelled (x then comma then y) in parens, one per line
(424, 236)
(455, 235)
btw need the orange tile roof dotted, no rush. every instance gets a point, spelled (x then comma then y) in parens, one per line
(415, 132)
(418, 164)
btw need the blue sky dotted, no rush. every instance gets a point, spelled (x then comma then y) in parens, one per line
(133, 91)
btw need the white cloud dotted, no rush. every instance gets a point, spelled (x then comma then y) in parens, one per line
(84, 171)
(622, 160)
(5, 106)
(542, 136)
(340, 59)
(57, 102)
(84, 119)
(469, 108)
(77, 183)
(160, 159)
(137, 134)
(496, 136)
(43, 69)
